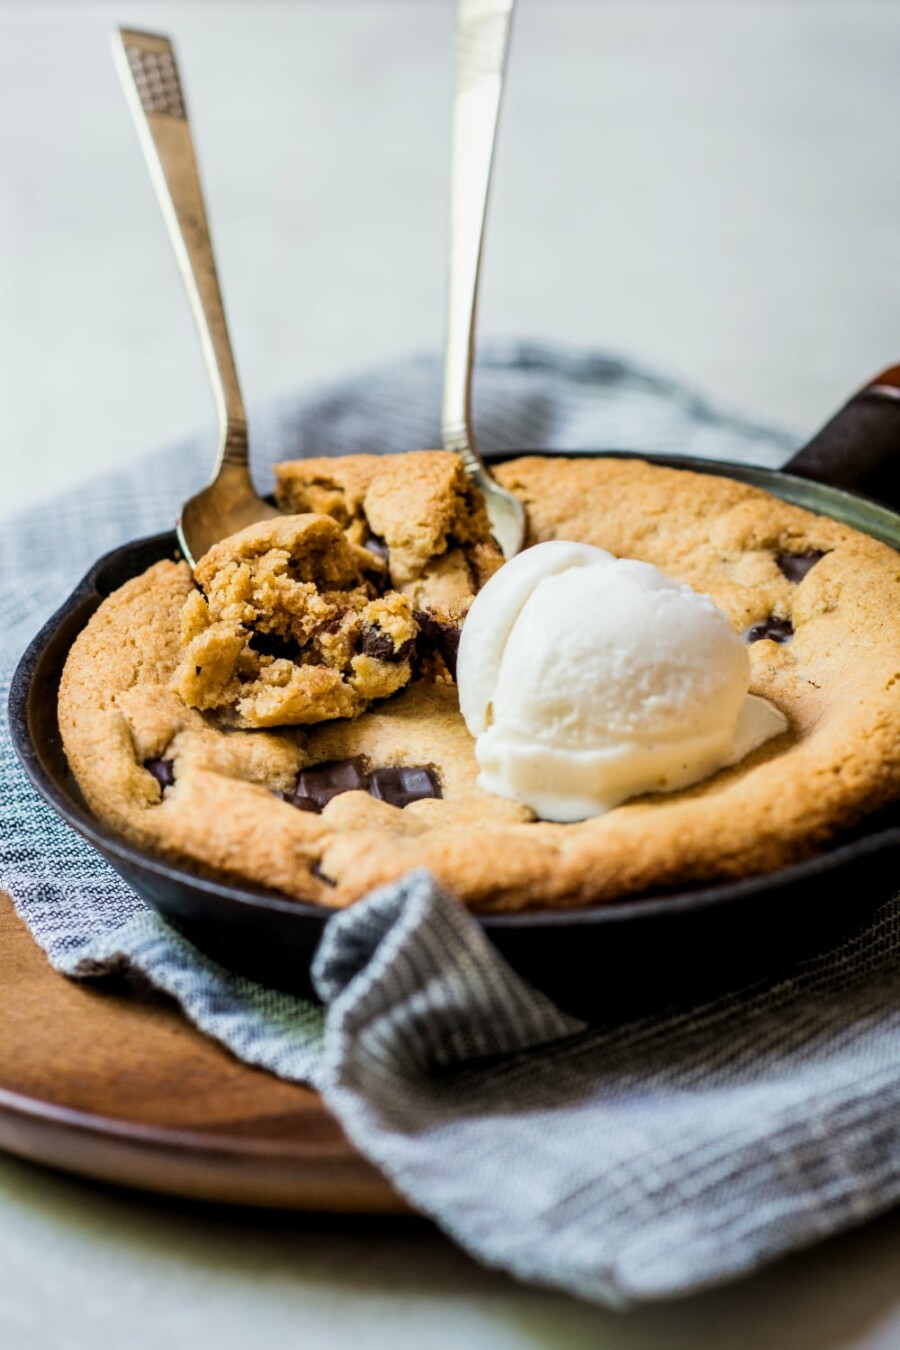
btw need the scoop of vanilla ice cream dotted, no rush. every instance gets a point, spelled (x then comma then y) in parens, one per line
(588, 679)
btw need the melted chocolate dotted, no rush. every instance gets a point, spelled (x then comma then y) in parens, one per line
(437, 635)
(795, 566)
(270, 644)
(404, 784)
(163, 771)
(380, 645)
(779, 630)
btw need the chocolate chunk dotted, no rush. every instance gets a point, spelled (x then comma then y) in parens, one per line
(377, 644)
(397, 786)
(294, 799)
(320, 783)
(779, 630)
(404, 784)
(796, 565)
(438, 635)
(163, 771)
(380, 645)
(378, 546)
(270, 644)
(304, 803)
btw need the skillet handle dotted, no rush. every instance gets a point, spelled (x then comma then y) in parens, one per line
(860, 447)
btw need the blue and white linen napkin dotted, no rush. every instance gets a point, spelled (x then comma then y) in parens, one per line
(625, 1163)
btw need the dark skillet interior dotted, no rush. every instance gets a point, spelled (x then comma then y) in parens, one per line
(614, 958)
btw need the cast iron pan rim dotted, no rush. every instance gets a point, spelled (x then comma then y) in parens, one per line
(698, 899)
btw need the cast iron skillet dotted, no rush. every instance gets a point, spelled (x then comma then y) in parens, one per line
(618, 957)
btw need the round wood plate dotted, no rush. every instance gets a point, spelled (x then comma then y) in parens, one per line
(117, 1085)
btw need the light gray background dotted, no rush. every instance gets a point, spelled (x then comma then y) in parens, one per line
(708, 187)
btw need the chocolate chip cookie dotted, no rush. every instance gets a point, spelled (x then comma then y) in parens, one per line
(325, 811)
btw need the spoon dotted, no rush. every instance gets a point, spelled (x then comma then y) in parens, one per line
(482, 40)
(149, 73)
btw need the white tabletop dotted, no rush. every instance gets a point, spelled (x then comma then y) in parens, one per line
(707, 188)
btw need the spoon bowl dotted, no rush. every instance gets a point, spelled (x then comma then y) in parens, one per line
(228, 504)
(505, 512)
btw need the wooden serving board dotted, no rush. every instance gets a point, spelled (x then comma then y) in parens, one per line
(119, 1087)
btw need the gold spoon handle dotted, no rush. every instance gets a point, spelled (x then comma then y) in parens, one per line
(482, 40)
(149, 73)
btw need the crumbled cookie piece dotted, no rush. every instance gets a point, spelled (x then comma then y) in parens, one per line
(419, 512)
(290, 627)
